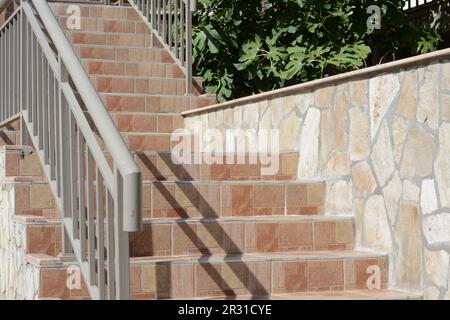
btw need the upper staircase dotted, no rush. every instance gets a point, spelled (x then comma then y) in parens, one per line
(209, 231)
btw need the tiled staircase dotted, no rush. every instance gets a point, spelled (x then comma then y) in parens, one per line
(210, 231)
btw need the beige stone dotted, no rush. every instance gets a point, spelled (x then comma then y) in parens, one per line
(326, 140)
(418, 154)
(359, 220)
(250, 115)
(228, 118)
(431, 293)
(309, 145)
(428, 201)
(41, 197)
(237, 117)
(358, 93)
(392, 194)
(324, 97)
(410, 191)
(339, 197)
(265, 122)
(382, 156)
(304, 101)
(290, 132)
(340, 119)
(382, 92)
(445, 107)
(408, 265)
(428, 104)
(338, 165)
(445, 80)
(276, 109)
(363, 179)
(407, 102)
(359, 134)
(442, 165)
(288, 104)
(436, 265)
(376, 230)
(436, 228)
(399, 133)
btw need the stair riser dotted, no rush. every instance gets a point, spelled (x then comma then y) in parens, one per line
(211, 200)
(162, 167)
(154, 103)
(259, 278)
(109, 39)
(35, 199)
(130, 55)
(23, 163)
(44, 238)
(119, 85)
(158, 70)
(96, 12)
(53, 284)
(241, 237)
(148, 123)
(105, 25)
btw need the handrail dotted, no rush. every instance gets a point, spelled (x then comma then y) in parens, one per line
(99, 204)
(170, 22)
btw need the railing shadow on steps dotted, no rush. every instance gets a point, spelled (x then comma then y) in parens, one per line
(251, 282)
(43, 82)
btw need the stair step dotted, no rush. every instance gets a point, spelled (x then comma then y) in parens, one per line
(116, 53)
(171, 237)
(158, 70)
(168, 199)
(160, 103)
(255, 274)
(97, 11)
(135, 40)
(138, 85)
(147, 122)
(21, 161)
(160, 166)
(105, 25)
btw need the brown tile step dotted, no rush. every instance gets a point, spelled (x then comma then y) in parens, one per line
(145, 122)
(384, 294)
(160, 166)
(31, 197)
(160, 103)
(41, 236)
(117, 53)
(120, 68)
(20, 161)
(134, 40)
(105, 25)
(51, 278)
(97, 11)
(238, 235)
(255, 274)
(203, 199)
(139, 85)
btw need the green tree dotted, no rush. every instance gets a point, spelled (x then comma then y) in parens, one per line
(251, 46)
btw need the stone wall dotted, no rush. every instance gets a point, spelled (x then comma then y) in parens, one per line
(18, 280)
(380, 138)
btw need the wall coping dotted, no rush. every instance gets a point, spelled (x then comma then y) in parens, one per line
(315, 84)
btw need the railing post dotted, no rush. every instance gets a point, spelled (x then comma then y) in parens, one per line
(190, 8)
(122, 255)
(65, 173)
(152, 20)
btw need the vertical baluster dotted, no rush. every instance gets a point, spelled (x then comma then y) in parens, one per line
(190, 7)
(100, 235)
(111, 247)
(43, 103)
(121, 243)
(2, 74)
(177, 52)
(37, 87)
(158, 17)
(153, 20)
(81, 194)
(10, 72)
(51, 123)
(170, 13)
(182, 35)
(57, 139)
(164, 13)
(90, 216)
(73, 173)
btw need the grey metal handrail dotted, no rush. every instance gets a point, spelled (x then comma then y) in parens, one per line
(171, 24)
(99, 203)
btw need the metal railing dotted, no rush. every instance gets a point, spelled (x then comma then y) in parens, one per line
(171, 24)
(99, 197)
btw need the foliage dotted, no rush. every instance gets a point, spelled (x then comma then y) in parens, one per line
(246, 47)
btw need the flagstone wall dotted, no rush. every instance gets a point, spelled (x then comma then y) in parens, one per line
(380, 138)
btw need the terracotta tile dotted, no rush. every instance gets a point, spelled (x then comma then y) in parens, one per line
(316, 194)
(41, 239)
(296, 236)
(41, 197)
(242, 200)
(156, 279)
(295, 276)
(271, 196)
(267, 237)
(22, 196)
(296, 196)
(323, 274)
(153, 240)
(208, 279)
(185, 239)
(53, 283)
(182, 281)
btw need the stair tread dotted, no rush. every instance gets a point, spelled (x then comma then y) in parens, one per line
(382, 294)
(260, 257)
